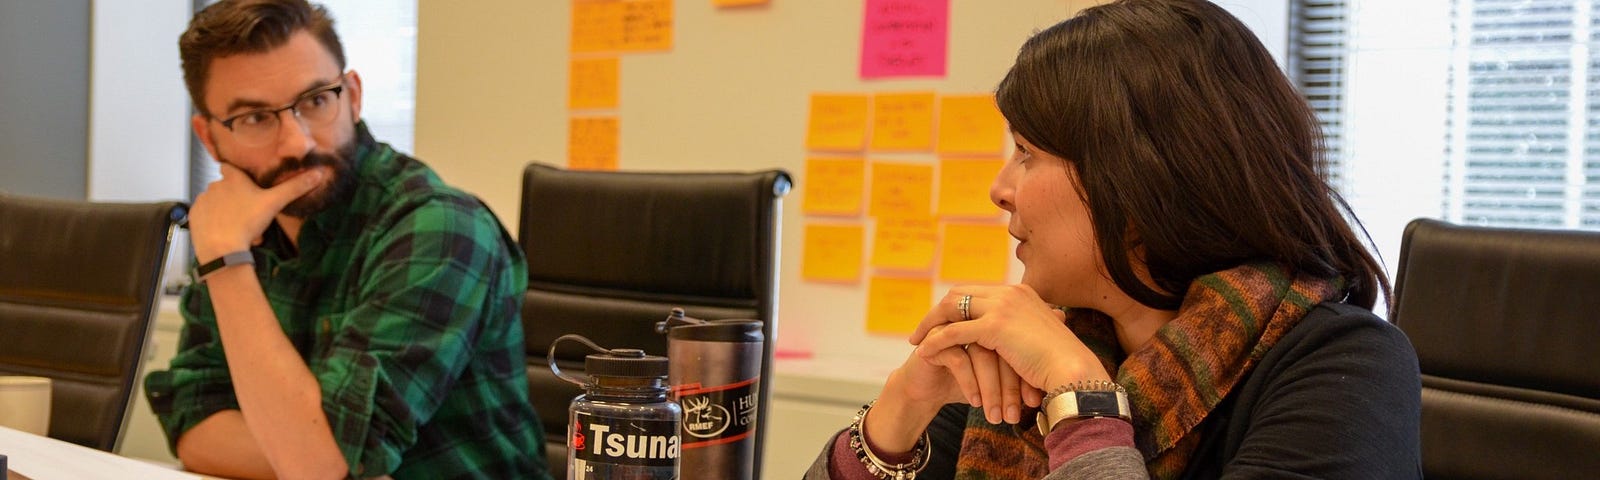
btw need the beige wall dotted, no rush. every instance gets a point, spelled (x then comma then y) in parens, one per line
(491, 82)
(491, 85)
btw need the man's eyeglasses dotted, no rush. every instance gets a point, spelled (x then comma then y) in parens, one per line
(259, 127)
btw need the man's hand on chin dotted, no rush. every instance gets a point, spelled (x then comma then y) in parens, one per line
(232, 212)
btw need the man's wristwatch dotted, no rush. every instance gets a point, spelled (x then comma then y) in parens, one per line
(1093, 398)
(242, 257)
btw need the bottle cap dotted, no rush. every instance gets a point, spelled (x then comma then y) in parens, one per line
(625, 362)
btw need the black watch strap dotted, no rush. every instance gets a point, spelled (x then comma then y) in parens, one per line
(242, 257)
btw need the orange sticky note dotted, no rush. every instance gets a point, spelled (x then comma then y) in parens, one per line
(838, 122)
(621, 25)
(834, 186)
(595, 24)
(832, 253)
(970, 124)
(974, 253)
(904, 243)
(592, 83)
(902, 121)
(901, 189)
(896, 304)
(592, 143)
(964, 186)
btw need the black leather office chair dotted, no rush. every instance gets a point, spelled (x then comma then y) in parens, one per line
(610, 253)
(79, 283)
(1505, 323)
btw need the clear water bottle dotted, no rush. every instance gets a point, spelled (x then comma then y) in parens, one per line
(624, 426)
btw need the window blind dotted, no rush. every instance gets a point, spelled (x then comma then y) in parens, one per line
(1317, 33)
(1523, 124)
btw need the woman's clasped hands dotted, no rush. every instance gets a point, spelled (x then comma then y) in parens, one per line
(999, 348)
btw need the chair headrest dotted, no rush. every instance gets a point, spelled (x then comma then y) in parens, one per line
(1512, 307)
(676, 233)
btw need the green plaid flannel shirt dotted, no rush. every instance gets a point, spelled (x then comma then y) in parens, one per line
(405, 304)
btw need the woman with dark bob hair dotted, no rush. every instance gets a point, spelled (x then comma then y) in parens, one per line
(1194, 302)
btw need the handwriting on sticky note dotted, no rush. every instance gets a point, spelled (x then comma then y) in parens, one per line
(901, 189)
(592, 143)
(834, 186)
(621, 26)
(902, 121)
(964, 186)
(738, 3)
(896, 304)
(832, 253)
(970, 124)
(838, 122)
(592, 83)
(904, 243)
(904, 38)
(974, 253)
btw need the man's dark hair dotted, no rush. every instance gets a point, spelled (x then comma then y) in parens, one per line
(232, 27)
(1191, 148)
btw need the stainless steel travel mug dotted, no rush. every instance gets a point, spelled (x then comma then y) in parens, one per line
(715, 372)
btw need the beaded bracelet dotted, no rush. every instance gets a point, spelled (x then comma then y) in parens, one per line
(1090, 385)
(920, 453)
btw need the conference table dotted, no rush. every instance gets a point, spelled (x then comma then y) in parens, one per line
(34, 457)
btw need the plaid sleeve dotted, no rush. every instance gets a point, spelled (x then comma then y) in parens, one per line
(196, 384)
(424, 288)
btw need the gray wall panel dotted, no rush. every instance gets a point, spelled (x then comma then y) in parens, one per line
(44, 97)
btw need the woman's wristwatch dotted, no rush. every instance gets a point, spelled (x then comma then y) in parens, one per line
(1092, 398)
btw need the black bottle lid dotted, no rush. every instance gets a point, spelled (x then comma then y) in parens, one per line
(732, 330)
(625, 362)
(679, 326)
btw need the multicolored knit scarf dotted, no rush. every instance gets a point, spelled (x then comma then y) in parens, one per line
(1227, 322)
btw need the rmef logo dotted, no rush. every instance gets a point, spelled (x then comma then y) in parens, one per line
(718, 414)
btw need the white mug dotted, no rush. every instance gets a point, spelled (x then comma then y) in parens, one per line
(25, 404)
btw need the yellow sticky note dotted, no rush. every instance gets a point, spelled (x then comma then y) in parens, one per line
(895, 304)
(834, 186)
(621, 25)
(592, 143)
(901, 190)
(902, 121)
(838, 122)
(832, 253)
(975, 253)
(904, 243)
(592, 83)
(964, 186)
(971, 124)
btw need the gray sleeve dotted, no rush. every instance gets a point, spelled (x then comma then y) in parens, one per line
(819, 468)
(1105, 463)
(945, 431)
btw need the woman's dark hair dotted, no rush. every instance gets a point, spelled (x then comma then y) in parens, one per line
(232, 27)
(1191, 147)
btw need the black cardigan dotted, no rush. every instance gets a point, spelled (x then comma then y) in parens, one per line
(1339, 396)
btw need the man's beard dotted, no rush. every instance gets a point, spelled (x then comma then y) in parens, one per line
(338, 188)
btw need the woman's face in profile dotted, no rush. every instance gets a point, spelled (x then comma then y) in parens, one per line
(1052, 225)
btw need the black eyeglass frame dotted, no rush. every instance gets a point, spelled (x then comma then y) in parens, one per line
(336, 87)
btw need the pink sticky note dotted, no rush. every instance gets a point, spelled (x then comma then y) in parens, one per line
(904, 38)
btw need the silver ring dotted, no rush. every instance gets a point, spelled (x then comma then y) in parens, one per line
(965, 305)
